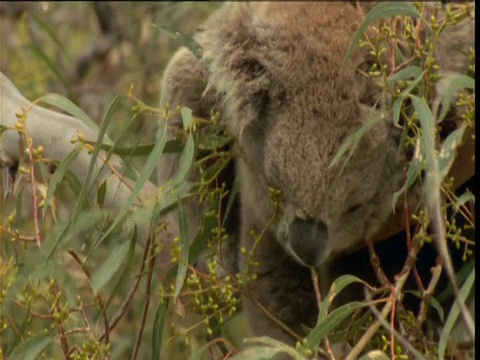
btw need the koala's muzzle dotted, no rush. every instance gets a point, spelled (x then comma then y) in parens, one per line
(308, 239)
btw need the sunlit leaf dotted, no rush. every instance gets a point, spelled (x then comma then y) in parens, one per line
(448, 151)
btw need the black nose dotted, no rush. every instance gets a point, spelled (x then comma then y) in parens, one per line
(308, 239)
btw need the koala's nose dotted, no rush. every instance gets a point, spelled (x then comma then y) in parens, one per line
(308, 239)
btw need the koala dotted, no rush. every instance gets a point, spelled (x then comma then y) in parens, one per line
(274, 71)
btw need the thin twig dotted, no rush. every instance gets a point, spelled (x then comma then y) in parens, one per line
(400, 280)
(400, 338)
(147, 301)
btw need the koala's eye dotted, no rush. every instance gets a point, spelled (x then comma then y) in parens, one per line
(353, 209)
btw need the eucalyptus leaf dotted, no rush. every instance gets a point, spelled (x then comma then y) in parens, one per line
(31, 349)
(382, 10)
(185, 241)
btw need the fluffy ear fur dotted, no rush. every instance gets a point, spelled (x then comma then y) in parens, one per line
(236, 63)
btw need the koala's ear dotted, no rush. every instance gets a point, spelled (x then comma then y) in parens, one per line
(237, 67)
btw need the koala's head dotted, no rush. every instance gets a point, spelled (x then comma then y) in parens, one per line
(291, 105)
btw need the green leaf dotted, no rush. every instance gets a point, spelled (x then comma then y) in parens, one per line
(353, 140)
(382, 10)
(117, 257)
(31, 349)
(158, 327)
(331, 321)
(143, 177)
(396, 108)
(187, 41)
(434, 303)
(102, 191)
(412, 173)
(463, 199)
(185, 241)
(460, 82)
(404, 74)
(58, 176)
(337, 286)
(412, 85)
(462, 274)
(427, 142)
(326, 322)
(172, 146)
(87, 183)
(411, 71)
(454, 314)
(72, 109)
(448, 152)
(186, 160)
(201, 240)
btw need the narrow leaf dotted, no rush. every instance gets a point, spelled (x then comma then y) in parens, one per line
(58, 176)
(158, 327)
(412, 173)
(353, 140)
(404, 74)
(448, 152)
(186, 160)
(85, 190)
(332, 320)
(382, 10)
(116, 258)
(453, 316)
(31, 349)
(69, 107)
(460, 82)
(143, 177)
(185, 241)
